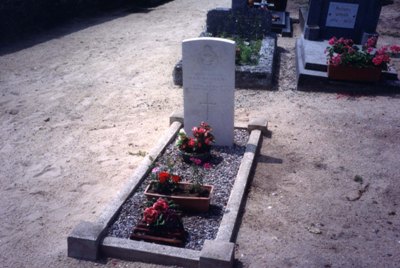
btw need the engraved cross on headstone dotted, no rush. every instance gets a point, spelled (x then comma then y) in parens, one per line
(207, 103)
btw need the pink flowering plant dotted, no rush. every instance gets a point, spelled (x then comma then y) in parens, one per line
(201, 141)
(198, 173)
(344, 52)
(162, 214)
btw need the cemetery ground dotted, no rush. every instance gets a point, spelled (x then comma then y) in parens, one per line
(82, 103)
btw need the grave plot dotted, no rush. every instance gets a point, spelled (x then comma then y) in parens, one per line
(351, 20)
(248, 24)
(200, 223)
(205, 233)
(92, 240)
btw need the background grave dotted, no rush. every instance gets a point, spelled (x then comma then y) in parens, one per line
(354, 19)
(322, 20)
(248, 23)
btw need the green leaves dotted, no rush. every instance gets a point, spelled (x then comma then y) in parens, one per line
(247, 52)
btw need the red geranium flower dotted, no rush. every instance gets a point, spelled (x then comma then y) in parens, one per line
(336, 60)
(395, 49)
(332, 41)
(163, 176)
(176, 178)
(191, 142)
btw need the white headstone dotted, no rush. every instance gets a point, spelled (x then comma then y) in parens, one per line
(209, 86)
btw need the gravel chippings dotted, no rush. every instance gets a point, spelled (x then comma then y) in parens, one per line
(200, 226)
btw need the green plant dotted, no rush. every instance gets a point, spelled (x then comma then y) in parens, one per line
(198, 168)
(247, 52)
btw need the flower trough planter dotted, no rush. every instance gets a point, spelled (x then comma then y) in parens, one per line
(350, 73)
(186, 202)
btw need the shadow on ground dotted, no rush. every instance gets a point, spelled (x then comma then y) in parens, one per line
(37, 34)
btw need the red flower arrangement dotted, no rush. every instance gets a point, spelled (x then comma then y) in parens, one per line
(162, 214)
(165, 182)
(344, 52)
(201, 141)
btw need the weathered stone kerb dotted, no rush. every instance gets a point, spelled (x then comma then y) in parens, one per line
(88, 241)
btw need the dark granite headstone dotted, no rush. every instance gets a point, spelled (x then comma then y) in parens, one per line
(239, 20)
(246, 23)
(353, 19)
(239, 4)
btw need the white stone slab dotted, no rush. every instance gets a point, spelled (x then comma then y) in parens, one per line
(209, 85)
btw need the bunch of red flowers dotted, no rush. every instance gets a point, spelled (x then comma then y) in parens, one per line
(162, 214)
(153, 213)
(164, 182)
(165, 177)
(344, 52)
(200, 142)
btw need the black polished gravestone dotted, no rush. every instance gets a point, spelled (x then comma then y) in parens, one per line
(240, 21)
(355, 19)
(250, 21)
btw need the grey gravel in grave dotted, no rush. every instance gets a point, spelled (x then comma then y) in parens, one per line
(200, 226)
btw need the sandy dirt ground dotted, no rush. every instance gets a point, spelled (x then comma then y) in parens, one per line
(80, 105)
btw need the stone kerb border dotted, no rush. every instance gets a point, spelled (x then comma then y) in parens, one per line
(88, 240)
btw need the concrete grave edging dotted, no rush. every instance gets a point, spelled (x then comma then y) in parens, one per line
(89, 241)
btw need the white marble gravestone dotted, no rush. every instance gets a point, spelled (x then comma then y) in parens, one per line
(209, 86)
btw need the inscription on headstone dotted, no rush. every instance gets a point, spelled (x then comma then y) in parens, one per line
(209, 85)
(341, 18)
(341, 15)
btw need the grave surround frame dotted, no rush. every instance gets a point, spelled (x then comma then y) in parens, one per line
(88, 240)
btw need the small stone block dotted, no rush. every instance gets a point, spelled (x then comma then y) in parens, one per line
(83, 242)
(259, 123)
(176, 116)
(217, 254)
